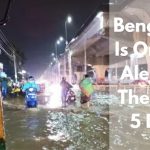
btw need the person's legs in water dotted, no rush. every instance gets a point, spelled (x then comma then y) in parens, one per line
(63, 101)
(63, 98)
(64, 95)
(85, 101)
(4, 93)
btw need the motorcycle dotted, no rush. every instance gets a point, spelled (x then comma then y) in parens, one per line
(31, 98)
(70, 96)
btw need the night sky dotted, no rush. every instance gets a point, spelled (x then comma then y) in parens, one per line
(35, 25)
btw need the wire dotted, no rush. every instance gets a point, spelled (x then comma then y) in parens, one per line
(10, 47)
(5, 52)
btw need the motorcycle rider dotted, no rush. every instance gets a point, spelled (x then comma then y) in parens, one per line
(65, 88)
(31, 88)
(30, 84)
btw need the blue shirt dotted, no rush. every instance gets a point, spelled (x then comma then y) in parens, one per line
(30, 85)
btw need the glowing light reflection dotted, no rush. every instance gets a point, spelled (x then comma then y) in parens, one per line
(55, 98)
(59, 137)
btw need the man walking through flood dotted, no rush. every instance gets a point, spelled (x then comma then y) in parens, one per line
(87, 89)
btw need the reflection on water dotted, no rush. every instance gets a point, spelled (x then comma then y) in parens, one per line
(75, 128)
(56, 130)
(46, 130)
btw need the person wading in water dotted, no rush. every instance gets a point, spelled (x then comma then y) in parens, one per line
(87, 89)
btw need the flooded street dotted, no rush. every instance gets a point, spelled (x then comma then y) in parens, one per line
(73, 128)
(64, 129)
(75, 75)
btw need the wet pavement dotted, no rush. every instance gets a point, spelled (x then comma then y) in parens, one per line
(104, 126)
(70, 128)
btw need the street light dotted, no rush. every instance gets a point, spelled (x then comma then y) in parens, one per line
(68, 21)
(24, 72)
(58, 42)
(61, 39)
(54, 59)
(52, 54)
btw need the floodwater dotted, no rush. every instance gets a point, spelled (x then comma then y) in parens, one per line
(73, 128)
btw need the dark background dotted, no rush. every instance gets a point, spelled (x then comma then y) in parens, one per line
(35, 25)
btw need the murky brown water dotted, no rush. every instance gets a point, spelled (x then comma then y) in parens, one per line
(74, 129)
(77, 129)
(47, 130)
